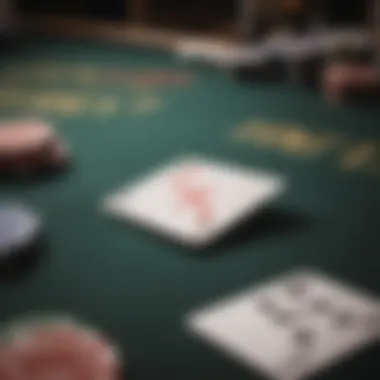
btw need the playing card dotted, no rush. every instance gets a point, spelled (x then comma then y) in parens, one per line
(195, 200)
(292, 327)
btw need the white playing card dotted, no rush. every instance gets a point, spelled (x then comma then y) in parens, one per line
(292, 327)
(195, 200)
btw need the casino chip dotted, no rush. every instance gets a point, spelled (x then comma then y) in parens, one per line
(56, 349)
(20, 232)
(27, 146)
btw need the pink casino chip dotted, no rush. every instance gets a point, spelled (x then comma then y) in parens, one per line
(26, 146)
(10, 368)
(59, 351)
(338, 78)
(23, 137)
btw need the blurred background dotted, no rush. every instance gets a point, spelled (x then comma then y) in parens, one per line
(222, 18)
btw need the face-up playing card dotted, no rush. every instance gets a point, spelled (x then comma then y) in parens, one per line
(292, 327)
(195, 200)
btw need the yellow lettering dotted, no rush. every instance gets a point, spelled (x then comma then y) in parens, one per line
(86, 75)
(306, 143)
(44, 71)
(147, 105)
(66, 104)
(261, 133)
(106, 106)
(292, 139)
(362, 156)
(13, 98)
(34, 70)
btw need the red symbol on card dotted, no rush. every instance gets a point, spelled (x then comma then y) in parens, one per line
(193, 194)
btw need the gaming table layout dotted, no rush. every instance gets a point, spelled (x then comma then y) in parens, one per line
(124, 112)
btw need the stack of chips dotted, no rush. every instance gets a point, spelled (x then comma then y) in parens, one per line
(56, 348)
(27, 146)
(20, 232)
(342, 79)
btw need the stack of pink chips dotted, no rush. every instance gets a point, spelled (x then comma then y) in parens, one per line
(340, 78)
(57, 349)
(28, 145)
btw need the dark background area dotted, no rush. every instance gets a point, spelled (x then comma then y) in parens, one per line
(196, 13)
(106, 10)
(347, 11)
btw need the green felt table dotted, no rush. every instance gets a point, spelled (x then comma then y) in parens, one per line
(138, 287)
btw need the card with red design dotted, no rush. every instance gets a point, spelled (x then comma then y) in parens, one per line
(195, 200)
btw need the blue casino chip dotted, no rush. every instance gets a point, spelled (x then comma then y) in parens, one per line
(20, 227)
